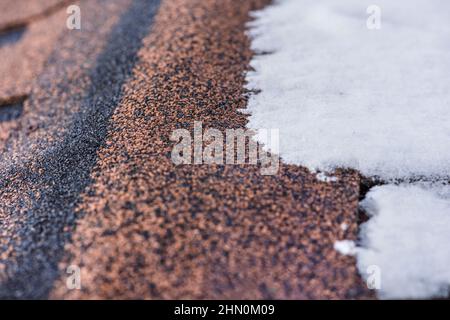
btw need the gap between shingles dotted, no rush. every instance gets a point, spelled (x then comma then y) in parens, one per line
(16, 99)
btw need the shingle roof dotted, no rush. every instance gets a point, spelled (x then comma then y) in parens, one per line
(87, 177)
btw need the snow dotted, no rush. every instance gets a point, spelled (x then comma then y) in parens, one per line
(408, 238)
(324, 177)
(344, 95)
(345, 247)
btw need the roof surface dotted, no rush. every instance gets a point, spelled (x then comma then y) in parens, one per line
(86, 176)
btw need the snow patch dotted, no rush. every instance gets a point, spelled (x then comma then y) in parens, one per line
(408, 238)
(345, 247)
(346, 96)
(321, 176)
(374, 100)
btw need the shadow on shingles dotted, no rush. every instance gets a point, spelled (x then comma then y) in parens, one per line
(12, 108)
(11, 37)
(67, 168)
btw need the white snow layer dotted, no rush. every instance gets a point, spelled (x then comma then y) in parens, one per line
(408, 239)
(374, 100)
(345, 247)
(346, 96)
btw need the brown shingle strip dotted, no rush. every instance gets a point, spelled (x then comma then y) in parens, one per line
(18, 14)
(23, 53)
(148, 229)
(23, 58)
(50, 159)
